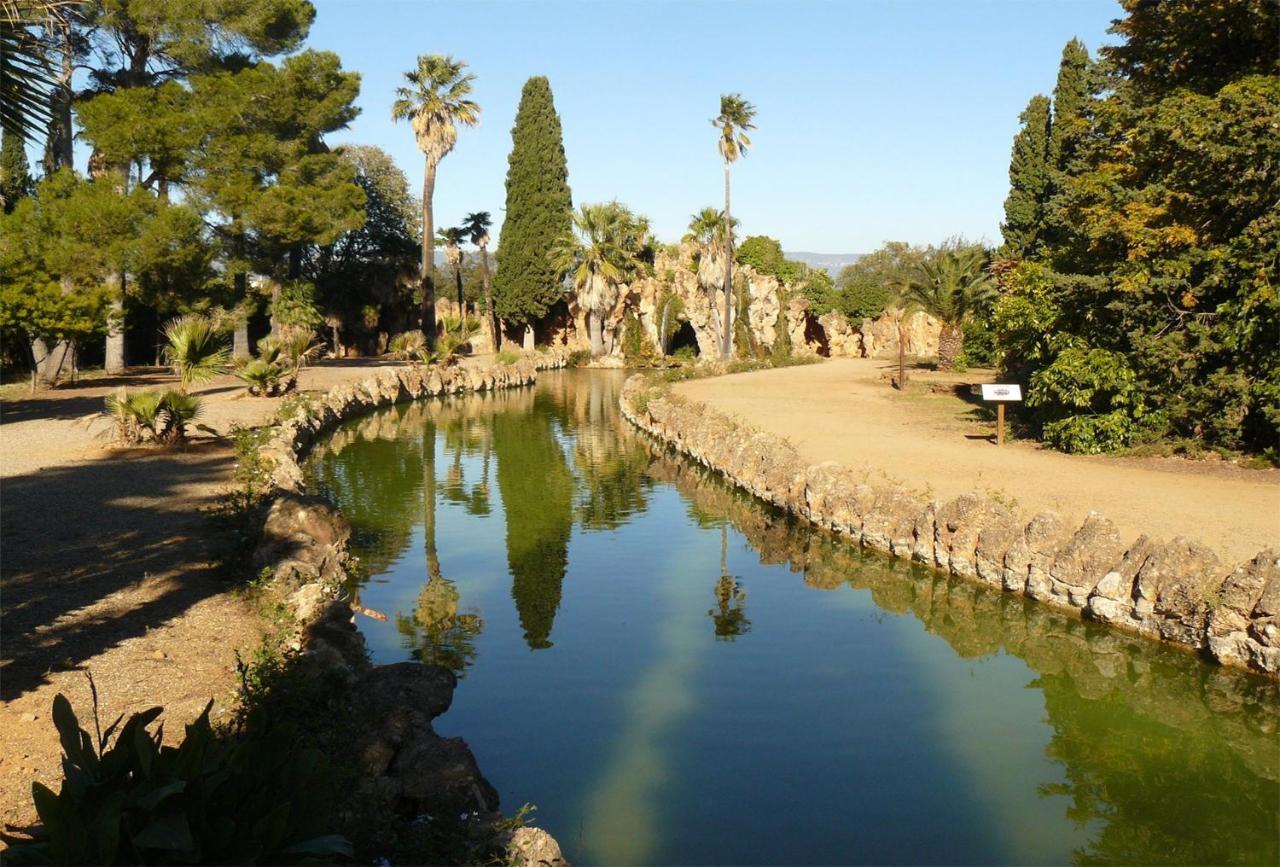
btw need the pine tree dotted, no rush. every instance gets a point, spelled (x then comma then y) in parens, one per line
(15, 174)
(539, 209)
(1028, 180)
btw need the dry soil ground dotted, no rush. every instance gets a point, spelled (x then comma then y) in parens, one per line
(938, 443)
(104, 568)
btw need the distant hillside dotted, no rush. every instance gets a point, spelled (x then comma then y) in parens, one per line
(832, 262)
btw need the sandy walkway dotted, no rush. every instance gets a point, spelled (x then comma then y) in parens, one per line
(104, 568)
(841, 411)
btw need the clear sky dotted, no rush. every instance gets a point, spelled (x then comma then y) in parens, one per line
(876, 120)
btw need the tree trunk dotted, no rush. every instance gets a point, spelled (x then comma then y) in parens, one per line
(240, 337)
(58, 144)
(491, 315)
(462, 309)
(115, 359)
(428, 247)
(950, 345)
(727, 332)
(595, 327)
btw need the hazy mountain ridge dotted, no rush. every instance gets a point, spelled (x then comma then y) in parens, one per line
(832, 262)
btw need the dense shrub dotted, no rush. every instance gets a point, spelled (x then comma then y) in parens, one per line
(255, 799)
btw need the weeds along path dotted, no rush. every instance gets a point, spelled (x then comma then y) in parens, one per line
(936, 444)
(105, 568)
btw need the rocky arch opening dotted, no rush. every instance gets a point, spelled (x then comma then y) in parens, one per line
(683, 336)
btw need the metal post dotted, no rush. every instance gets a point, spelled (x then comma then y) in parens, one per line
(1000, 423)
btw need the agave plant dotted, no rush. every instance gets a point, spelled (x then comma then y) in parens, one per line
(197, 351)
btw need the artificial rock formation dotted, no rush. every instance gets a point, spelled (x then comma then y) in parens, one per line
(681, 291)
(1175, 592)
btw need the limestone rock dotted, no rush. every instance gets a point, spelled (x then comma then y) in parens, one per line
(1244, 626)
(1092, 552)
(533, 847)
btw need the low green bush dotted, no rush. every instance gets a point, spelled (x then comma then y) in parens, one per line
(254, 799)
(506, 356)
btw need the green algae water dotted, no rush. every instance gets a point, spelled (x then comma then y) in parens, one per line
(676, 674)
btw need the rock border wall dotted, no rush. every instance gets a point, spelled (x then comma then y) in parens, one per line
(1177, 591)
(407, 767)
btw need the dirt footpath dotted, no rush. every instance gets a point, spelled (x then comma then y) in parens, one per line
(104, 568)
(937, 444)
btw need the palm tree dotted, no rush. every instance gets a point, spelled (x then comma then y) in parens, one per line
(451, 239)
(477, 228)
(950, 286)
(27, 79)
(736, 116)
(706, 230)
(434, 102)
(196, 350)
(600, 253)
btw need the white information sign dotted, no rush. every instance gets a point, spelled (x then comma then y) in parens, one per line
(1002, 392)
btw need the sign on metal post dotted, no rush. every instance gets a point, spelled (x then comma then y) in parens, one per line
(1001, 393)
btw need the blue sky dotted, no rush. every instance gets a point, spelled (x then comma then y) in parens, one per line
(877, 120)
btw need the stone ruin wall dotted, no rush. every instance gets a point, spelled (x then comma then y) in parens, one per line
(830, 334)
(1177, 591)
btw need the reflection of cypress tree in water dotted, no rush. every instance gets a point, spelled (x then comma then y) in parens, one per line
(728, 616)
(437, 632)
(1172, 760)
(537, 497)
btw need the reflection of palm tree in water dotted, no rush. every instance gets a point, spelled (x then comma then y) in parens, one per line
(438, 633)
(729, 617)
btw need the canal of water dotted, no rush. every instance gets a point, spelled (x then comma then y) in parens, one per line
(676, 674)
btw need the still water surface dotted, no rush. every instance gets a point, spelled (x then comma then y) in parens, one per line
(676, 674)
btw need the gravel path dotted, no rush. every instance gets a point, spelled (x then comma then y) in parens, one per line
(935, 443)
(104, 568)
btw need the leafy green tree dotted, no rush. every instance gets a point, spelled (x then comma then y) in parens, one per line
(39, 309)
(598, 257)
(1166, 252)
(1024, 209)
(15, 173)
(735, 119)
(434, 103)
(539, 209)
(951, 286)
(375, 264)
(477, 225)
(1068, 131)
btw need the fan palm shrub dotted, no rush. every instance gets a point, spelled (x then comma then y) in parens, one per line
(262, 376)
(951, 286)
(434, 101)
(156, 416)
(476, 226)
(197, 350)
(407, 345)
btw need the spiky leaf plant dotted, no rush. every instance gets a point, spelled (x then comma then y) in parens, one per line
(197, 350)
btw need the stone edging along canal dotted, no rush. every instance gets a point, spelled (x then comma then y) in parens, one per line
(1179, 591)
(406, 767)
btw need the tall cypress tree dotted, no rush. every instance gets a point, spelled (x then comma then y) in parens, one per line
(1028, 180)
(1070, 99)
(539, 209)
(15, 172)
